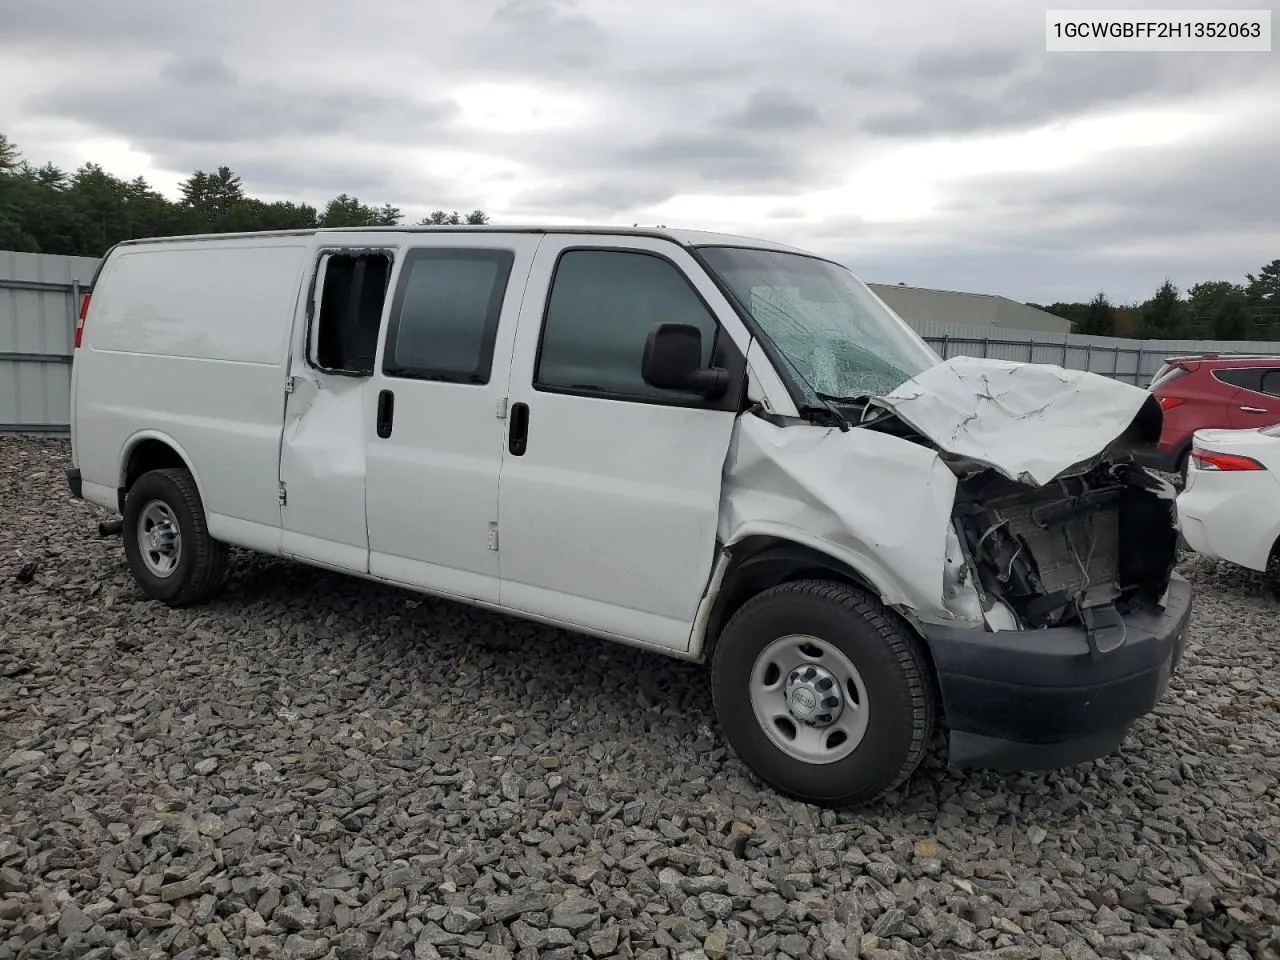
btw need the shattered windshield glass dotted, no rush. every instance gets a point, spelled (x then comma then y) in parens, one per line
(841, 341)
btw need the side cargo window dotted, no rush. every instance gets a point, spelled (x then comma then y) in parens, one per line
(602, 307)
(344, 334)
(444, 318)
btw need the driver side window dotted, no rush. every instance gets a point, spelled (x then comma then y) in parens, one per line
(600, 311)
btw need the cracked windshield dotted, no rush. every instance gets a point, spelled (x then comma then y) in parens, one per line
(840, 341)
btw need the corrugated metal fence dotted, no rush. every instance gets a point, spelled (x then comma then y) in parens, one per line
(39, 302)
(40, 297)
(1133, 361)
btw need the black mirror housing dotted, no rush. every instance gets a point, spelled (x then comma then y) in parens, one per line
(673, 361)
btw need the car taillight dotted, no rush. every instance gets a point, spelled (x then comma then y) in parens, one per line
(1208, 460)
(1168, 403)
(84, 312)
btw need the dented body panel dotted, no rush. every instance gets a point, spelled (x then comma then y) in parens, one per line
(1029, 421)
(322, 473)
(870, 500)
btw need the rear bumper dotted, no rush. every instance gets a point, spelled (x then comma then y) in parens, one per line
(1232, 516)
(1035, 700)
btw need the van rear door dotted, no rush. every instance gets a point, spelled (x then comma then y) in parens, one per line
(322, 459)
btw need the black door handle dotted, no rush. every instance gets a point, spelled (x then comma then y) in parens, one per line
(519, 438)
(386, 411)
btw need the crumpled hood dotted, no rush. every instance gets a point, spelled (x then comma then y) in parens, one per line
(1029, 421)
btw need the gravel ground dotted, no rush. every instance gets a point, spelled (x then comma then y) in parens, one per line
(319, 767)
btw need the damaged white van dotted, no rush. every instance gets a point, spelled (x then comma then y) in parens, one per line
(717, 448)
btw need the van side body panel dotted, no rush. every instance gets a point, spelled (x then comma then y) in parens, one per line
(187, 342)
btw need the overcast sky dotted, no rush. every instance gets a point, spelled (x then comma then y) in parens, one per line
(932, 143)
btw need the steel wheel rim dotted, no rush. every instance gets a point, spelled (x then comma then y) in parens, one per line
(159, 538)
(795, 723)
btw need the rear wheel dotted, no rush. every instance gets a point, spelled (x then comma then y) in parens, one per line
(823, 694)
(167, 542)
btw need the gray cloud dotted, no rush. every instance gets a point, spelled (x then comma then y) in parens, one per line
(713, 157)
(547, 33)
(951, 65)
(729, 98)
(592, 199)
(952, 92)
(773, 108)
(198, 71)
(201, 100)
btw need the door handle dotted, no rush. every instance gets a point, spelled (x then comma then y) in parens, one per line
(1253, 410)
(386, 411)
(518, 440)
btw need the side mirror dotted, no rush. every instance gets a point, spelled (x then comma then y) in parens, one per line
(673, 361)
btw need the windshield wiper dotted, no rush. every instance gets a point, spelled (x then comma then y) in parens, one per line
(830, 409)
(860, 400)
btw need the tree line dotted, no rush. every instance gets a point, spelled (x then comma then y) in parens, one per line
(45, 209)
(1211, 310)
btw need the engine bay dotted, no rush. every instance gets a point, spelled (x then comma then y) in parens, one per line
(1087, 548)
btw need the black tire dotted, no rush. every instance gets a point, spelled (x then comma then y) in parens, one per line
(202, 561)
(901, 691)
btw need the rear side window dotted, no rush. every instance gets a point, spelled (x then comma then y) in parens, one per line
(444, 318)
(602, 307)
(354, 291)
(1271, 382)
(1250, 378)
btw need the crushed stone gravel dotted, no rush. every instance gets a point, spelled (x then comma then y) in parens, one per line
(317, 767)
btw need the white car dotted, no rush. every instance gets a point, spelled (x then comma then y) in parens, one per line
(712, 447)
(1230, 507)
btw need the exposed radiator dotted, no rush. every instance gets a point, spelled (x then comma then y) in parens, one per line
(1075, 541)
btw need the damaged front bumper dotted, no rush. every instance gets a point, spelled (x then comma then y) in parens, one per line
(1035, 700)
(998, 508)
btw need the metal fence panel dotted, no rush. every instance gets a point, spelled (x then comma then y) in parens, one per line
(39, 302)
(1123, 358)
(40, 297)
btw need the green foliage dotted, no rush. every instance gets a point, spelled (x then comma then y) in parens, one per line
(1164, 316)
(1219, 310)
(10, 155)
(48, 210)
(1099, 317)
(1211, 310)
(1263, 296)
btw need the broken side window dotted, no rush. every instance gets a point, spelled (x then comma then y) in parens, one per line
(345, 331)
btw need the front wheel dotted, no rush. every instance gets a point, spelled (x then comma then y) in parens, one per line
(167, 542)
(823, 694)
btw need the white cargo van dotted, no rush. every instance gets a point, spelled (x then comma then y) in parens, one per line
(717, 448)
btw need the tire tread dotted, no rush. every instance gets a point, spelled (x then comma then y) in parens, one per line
(905, 649)
(207, 570)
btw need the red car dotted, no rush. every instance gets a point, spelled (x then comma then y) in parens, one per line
(1212, 390)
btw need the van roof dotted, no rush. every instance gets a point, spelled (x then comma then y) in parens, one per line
(683, 237)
